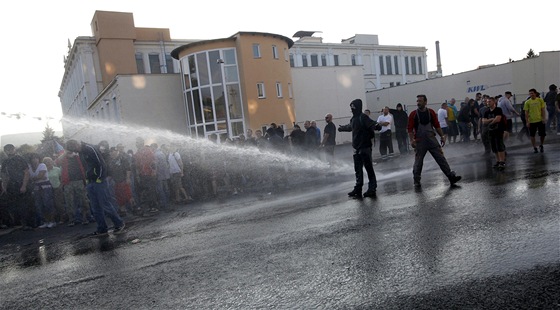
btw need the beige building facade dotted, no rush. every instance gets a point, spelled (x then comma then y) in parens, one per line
(237, 83)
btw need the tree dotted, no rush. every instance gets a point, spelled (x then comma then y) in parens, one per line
(531, 54)
(48, 134)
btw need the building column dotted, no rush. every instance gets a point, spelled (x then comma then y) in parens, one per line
(403, 68)
(377, 69)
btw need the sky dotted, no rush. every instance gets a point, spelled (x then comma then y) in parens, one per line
(471, 33)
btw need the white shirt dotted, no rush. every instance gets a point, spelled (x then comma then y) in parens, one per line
(41, 167)
(385, 118)
(173, 160)
(441, 116)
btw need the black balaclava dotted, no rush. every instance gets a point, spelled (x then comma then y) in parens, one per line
(356, 106)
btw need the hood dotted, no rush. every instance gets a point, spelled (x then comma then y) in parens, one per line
(356, 106)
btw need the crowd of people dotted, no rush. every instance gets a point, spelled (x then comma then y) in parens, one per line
(88, 183)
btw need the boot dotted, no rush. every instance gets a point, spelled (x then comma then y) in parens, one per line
(356, 193)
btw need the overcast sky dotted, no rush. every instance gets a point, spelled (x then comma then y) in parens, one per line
(471, 33)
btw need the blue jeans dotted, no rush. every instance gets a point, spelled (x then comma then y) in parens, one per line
(44, 203)
(162, 189)
(100, 203)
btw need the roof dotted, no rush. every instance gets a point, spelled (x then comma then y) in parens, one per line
(175, 52)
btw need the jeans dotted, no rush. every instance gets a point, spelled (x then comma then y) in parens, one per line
(465, 131)
(44, 203)
(100, 201)
(551, 116)
(162, 189)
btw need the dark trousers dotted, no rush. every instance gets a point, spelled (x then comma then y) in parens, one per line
(485, 137)
(437, 154)
(385, 142)
(402, 140)
(362, 159)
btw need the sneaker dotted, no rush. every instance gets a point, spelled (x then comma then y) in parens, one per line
(454, 179)
(51, 225)
(501, 166)
(496, 165)
(370, 193)
(71, 224)
(417, 183)
(541, 148)
(153, 210)
(535, 150)
(118, 230)
(355, 193)
(45, 225)
(99, 234)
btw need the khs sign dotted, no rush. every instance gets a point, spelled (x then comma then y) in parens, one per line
(476, 89)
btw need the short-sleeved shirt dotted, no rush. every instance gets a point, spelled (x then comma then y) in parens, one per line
(54, 176)
(36, 172)
(534, 107)
(452, 113)
(488, 114)
(385, 118)
(442, 115)
(330, 129)
(15, 167)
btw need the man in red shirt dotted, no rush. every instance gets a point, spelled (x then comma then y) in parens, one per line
(422, 127)
(145, 162)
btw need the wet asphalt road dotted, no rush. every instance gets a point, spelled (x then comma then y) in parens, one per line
(492, 242)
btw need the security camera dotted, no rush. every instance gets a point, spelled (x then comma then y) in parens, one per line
(220, 61)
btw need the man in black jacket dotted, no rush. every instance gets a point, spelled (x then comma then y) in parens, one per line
(363, 129)
(401, 121)
(97, 187)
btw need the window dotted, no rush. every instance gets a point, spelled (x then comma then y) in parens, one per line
(290, 92)
(292, 60)
(381, 66)
(420, 68)
(396, 58)
(336, 60)
(279, 90)
(169, 63)
(304, 60)
(155, 65)
(256, 51)
(274, 52)
(389, 65)
(140, 64)
(323, 60)
(314, 60)
(406, 66)
(413, 64)
(353, 60)
(260, 90)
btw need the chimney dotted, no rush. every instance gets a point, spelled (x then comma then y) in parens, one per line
(438, 57)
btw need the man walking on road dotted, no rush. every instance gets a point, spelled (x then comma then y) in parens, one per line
(362, 128)
(422, 125)
(534, 109)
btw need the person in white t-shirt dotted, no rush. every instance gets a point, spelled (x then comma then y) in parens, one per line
(42, 191)
(442, 118)
(177, 173)
(385, 136)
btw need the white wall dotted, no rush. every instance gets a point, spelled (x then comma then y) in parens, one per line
(517, 77)
(323, 90)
